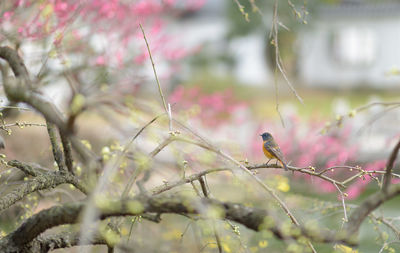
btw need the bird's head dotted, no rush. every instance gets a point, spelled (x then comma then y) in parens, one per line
(266, 136)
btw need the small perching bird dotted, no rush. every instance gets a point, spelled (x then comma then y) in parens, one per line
(272, 150)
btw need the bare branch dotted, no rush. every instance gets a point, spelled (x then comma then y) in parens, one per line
(67, 152)
(15, 62)
(368, 205)
(253, 218)
(43, 180)
(57, 153)
(389, 167)
(20, 91)
(154, 70)
(189, 179)
(64, 239)
(306, 170)
(27, 169)
(278, 60)
(343, 203)
(388, 224)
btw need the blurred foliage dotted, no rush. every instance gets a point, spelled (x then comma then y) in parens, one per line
(229, 114)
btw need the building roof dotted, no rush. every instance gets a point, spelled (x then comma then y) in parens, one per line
(360, 8)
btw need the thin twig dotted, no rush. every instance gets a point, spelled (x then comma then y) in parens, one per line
(154, 69)
(337, 167)
(90, 212)
(133, 177)
(242, 11)
(343, 203)
(206, 193)
(372, 202)
(170, 117)
(305, 170)
(278, 59)
(140, 169)
(15, 107)
(189, 179)
(353, 113)
(384, 221)
(243, 168)
(376, 117)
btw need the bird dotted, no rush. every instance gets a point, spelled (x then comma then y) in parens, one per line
(272, 150)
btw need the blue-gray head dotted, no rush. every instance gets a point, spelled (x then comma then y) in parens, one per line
(266, 136)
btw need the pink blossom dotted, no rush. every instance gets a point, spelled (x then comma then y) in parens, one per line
(146, 7)
(100, 60)
(326, 186)
(119, 58)
(356, 188)
(61, 6)
(195, 4)
(169, 2)
(20, 30)
(140, 58)
(395, 181)
(117, 19)
(215, 108)
(177, 94)
(7, 15)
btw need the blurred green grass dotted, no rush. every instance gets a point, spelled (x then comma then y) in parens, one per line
(262, 98)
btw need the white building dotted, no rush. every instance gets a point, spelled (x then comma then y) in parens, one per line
(208, 28)
(351, 44)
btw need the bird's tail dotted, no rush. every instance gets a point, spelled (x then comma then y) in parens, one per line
(284, 165)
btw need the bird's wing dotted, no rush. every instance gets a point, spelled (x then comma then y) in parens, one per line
(274, 149)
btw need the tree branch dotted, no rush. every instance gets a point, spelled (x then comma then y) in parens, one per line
(57, 153)
(15, 62)
(67, 152)
(368, 205)
(43, 180)
(191, 178)
(254, 218)
(389, 167)
(16, 91)
(20, 91)
(64, 239)
(27, 169)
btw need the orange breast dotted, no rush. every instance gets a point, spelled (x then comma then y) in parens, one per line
(267, 153)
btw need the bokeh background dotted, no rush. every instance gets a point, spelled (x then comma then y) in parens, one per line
(217, 65)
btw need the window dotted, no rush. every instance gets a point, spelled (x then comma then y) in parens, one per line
(354, 46)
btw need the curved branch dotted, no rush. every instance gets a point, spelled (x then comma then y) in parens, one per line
(368, 205)
(17, 92)
(43, 180)
(26, 168)
(64, 239)
(21, 92)
(254, 218)
(15, 62)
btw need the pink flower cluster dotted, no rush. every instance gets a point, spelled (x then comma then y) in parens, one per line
(215, 109)
(117, 20)
(304, 146)
(361, 183)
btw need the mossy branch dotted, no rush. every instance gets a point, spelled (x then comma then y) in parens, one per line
(253, 218)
